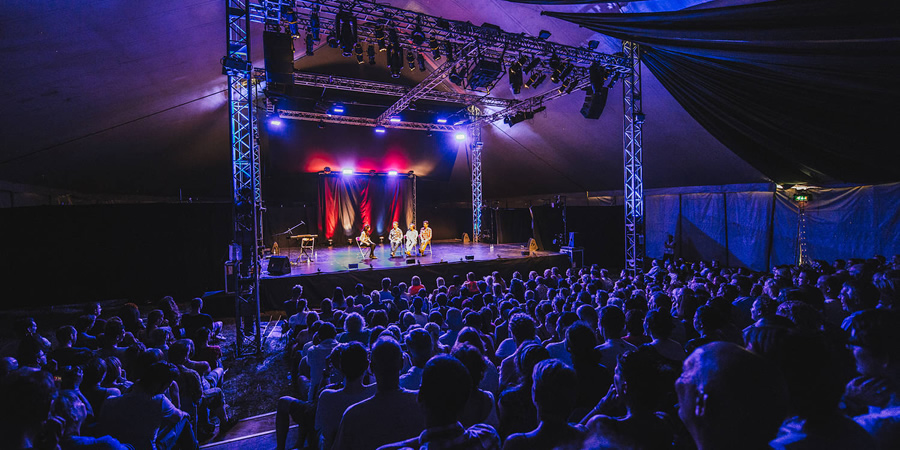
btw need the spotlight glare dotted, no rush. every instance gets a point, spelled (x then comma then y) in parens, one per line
(442, 120)
(347, 171)
(276, 122)
(395, 119)
(380, 129)
(338, 109)
(460, 136)
(392, 173)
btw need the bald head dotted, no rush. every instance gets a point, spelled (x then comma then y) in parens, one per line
(727, 394)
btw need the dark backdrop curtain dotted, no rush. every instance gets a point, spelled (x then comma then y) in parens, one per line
(346, 203)
(805, 91)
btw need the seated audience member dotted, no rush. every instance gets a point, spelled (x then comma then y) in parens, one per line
(641, 384)
(200, 396)
(446, 386)
(634, 325)
(594, 379)
(356, 330)
(491, 379)
(516, 408)
(729, 397)
(196, 319)
(8, 364)
(317, 356)
(353, 362)
(875, 342)
(115, 375)
(391, 414)
(659, 327)
(554, 393)
(30, 353)
(612, 326)
(172, 315)
(558, 349)
(65, 354)
(83, 324)
(26, 398)
(454, 325)
(481, 406)
(70, 407)
(93, 374)
(419, 347)
(708, 321)
(210, 354)
(415, 285)
(857, 296)
(144, 417)
(298, 321)
(522, 330)
(131, 319)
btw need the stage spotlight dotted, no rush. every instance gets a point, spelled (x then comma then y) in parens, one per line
(395, 60)
(448, 49)
(455, 77)
(291, 18)
(420, 60)
(441, 120)
(435, 48)
(460, 136)
(395, 119)
(379, 36)
(411, 59)
(327, 170)
(347, 171)
(592, 45)
(314, 25)
(348, 31)
(392, 173)
(321, 124)
(544, 34)
(536, 79)
(371, 52)
(418, 36)
(380, 129)
(515, 77)
(567, 84)
(531, 65)
(332, 40)
(372, 172)
(337, 108)
(275, 122)
(359, 53)
(310, 44)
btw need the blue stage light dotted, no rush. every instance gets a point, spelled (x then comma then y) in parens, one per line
(392, 173)
(347, 171)
(460, 136)
(442, 120)
(380, 129)
(275, 122)
(338, 109)
(395, 119)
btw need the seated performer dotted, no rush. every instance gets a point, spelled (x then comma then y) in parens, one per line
(396, 238)
(412, 236)
(424, 237)
(365, 240)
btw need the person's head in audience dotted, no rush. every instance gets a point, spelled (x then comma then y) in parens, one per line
(180, 351)
(445, 389)
(386, 363)
(114, 370)
(66, 335)
(640, 380)
(94, 372)
(708, 320)
(201, 337)
(196, 305)
(529, 355)
(554, 390)
(728, 395)
(658, 325)
(580, 342)
(25, 327)
(155, 318)
(84, 323)
(31, 354)
(473, 359)
(70, 377)
(26, 397)
(69, 406)
(875, 343)
(521, 328)
(612, 322)
(763, 307)
(858, 295)
(419, 346)
(158, 378)
(354, 323)
(386, 284)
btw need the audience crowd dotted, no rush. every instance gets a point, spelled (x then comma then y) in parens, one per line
(686, 355)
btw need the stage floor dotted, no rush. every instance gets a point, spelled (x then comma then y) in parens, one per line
(338, 259)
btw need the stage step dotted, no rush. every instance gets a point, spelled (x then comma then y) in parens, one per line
(252, 432)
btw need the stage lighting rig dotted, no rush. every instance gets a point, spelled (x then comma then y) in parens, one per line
(455, 77)
(371, 52)
(411, 59)
(358, 50)
(332, 40)
(315, 25)
(561, 72)
(395, 60)
(535, 80)
(448, 50)
(380, 36)
(310, 44)
(418, 36)
(485, 73)
(420, 60)
(290, 17)
(348, 32)
(435, 48)
(515, 77)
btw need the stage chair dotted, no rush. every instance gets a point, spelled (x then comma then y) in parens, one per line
(429, 249)
(362, 253)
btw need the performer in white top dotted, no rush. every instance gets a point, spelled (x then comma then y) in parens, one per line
(412, 237)
(396, 238)
(365, 240)
(424, 237)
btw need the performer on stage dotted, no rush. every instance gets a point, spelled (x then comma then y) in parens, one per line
(396, 238)
(365, 240)
(424, 237)
(412, 236)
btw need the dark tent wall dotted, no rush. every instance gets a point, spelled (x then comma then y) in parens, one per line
(759, 229)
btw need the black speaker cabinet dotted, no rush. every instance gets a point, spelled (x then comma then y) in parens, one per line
(279, 265)
(278, 52)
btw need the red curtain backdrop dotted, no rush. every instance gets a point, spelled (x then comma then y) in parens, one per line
(347, 202)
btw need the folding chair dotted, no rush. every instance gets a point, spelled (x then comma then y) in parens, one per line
(362, 253)
(428, 248)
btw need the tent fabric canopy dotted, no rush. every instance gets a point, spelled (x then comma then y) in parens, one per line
(803, 91)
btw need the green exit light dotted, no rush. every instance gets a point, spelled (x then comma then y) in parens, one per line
(801, 198)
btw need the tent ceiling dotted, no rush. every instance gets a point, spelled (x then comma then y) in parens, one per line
(113, 97)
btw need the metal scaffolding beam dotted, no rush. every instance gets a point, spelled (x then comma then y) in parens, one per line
(363, 121)
(532, 102)
(247, 194)
(477, 197)
(634, 171)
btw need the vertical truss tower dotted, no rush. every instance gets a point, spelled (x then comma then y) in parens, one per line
(477, 198)
(247, 195)
(634, 170)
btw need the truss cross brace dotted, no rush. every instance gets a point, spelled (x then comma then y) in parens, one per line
(634, 172)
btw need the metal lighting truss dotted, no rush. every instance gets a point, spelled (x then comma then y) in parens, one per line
(362, 121)
(532, 102)
(477, 198)
(247, 226)
(634, 172)
(375, 87)
(430, 82)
